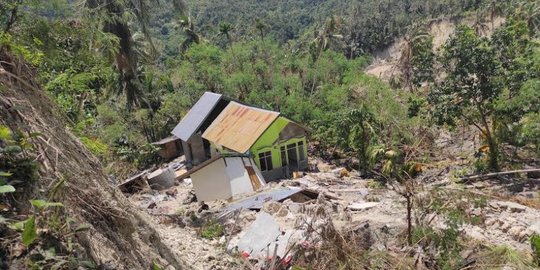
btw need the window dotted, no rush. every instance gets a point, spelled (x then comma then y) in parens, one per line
(283, 156)
(301, 152)
(265, 160)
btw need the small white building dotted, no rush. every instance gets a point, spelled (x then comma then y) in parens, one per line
(226, 177)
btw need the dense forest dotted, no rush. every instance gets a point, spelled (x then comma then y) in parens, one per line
(124, 73)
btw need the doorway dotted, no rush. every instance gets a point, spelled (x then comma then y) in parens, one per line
(292, 154)
(255, 183)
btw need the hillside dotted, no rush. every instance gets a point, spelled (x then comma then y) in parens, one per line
(115, 234)
(385, 64)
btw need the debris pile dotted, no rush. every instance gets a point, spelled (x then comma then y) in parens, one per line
(317, 215)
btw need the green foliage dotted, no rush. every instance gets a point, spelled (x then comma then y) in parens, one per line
(31, 55)
(470, 90)
(6, 189)
(29, 233)
(95, 146)
(212, 230)
(366, 27)
(41, 204)
(535, 246)
(14, 159)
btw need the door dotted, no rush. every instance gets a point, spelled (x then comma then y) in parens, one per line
(292, 154)
(255, 183)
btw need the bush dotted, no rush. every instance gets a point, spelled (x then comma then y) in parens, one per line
(212, 230)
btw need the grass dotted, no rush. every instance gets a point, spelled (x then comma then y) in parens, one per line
(212, 230)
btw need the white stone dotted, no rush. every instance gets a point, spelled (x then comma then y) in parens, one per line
(362, 206)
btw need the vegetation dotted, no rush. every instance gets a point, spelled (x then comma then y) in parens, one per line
(125, 72)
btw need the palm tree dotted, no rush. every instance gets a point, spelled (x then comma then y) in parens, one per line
(225, 30)
(480, 25)
(494, 8)
(189, 30)
(530, 12)
(324, 37)
(262, 27)
(407, 55)
(126, 57)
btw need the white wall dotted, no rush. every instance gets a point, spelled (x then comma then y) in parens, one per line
(212, 182)
(240, 182)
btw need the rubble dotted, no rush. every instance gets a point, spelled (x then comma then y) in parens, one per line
(282, 217)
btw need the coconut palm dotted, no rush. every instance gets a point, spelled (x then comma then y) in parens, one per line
(261, 27)
(126, 57)
(530, 12)
(225, 30)
(324, 37)
(407, 54)
(191, 35)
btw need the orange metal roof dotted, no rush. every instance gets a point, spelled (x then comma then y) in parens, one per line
(239, 126)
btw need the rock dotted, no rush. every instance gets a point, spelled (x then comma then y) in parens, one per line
(524, 235)
(172, 192)
(511, 206)
(283, 211)
(296, 208)
(535, 227)
(341, 172)
(515, 232)
(161, 179)
(271, 207)
(362, 206)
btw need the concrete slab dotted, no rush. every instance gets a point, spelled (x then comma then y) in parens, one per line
(263, 231)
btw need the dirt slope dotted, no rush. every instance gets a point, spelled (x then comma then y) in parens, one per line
(121, 237)
(385, 61)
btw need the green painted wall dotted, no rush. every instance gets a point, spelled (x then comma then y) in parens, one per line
(266, 142)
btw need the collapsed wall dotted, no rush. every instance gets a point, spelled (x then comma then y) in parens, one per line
(120, 236)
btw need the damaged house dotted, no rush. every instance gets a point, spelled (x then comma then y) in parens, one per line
(232, 148)
(196, 149)
(277, 144)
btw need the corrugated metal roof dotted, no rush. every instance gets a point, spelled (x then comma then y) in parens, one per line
(196, 116)
(239, 126)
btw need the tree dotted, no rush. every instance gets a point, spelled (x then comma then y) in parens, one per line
(225, 30)
(469, 91)
(261, 27)
(417, 57)
(9, 12)
(530, 12)
(323, 38)
(357, 131)
(192, 36)
(126, 58)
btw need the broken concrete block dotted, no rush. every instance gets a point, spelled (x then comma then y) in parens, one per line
(362, 206)
(283, 211)
(511, 206)
(296, 208)
(271, 207)
(263, 231)
(161, 179)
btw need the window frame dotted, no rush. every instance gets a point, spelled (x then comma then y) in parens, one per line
(265, 161)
